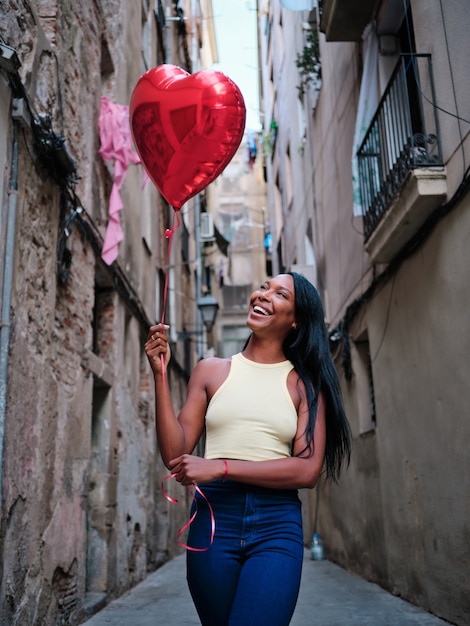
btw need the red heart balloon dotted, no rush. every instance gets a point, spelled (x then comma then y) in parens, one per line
(186, 128)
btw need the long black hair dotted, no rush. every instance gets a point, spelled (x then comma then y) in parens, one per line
(307, 348)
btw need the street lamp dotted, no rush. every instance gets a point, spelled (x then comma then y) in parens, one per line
(208, 307)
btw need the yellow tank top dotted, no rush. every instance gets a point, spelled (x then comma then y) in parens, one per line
(251, 416)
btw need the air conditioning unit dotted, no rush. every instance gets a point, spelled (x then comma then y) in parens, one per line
(207, 226)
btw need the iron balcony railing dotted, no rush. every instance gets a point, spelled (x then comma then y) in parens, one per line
(403, 135)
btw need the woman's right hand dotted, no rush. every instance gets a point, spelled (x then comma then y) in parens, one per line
(157, 345)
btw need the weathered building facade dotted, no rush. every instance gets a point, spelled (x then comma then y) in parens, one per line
(83, 516)
(388, 146)
(238, 208)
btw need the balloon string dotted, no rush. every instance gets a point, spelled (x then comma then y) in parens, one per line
(169, 235)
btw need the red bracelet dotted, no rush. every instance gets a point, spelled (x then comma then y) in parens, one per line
(225, 471)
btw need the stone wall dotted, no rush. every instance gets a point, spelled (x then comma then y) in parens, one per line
(83, 516)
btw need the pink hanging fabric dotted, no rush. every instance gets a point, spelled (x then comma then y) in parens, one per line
(116, 144)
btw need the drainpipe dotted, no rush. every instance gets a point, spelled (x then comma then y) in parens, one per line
(6, 295)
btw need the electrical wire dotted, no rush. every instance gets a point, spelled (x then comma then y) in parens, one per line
(340, 334)
(408, 29)
(453, 87)
(72, 211)
(384, 332)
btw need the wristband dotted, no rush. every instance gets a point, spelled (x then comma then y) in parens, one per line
(225, 471)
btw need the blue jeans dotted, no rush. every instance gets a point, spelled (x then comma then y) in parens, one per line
(250, 575)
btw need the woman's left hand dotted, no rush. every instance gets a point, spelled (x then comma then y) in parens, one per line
(189, 469)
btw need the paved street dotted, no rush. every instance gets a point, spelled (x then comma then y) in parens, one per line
(329, 596)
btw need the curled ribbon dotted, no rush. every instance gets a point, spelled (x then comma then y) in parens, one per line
(193, 516)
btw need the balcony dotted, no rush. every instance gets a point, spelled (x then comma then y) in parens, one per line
(401, 174)
(345, 20)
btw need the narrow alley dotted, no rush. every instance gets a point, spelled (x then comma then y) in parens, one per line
(329, 596)
(284, 185)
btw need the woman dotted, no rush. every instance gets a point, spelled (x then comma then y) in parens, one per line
(273, 417)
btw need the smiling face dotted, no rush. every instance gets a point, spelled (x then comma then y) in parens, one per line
(272, 306)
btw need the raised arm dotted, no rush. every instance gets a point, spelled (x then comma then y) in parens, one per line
(176, 435)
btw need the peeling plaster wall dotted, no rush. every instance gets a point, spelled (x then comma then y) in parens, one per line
(82, 511)
(400, 514)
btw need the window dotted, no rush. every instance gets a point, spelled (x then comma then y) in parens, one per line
(146, 40)
(230, 220)
(233, 339)
(236, 296)
(362, 368)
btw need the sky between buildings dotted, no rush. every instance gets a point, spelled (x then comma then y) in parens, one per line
(235, 27)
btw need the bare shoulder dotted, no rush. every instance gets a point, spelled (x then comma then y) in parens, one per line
(211, 373)
(212, 363)
(296, 388)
